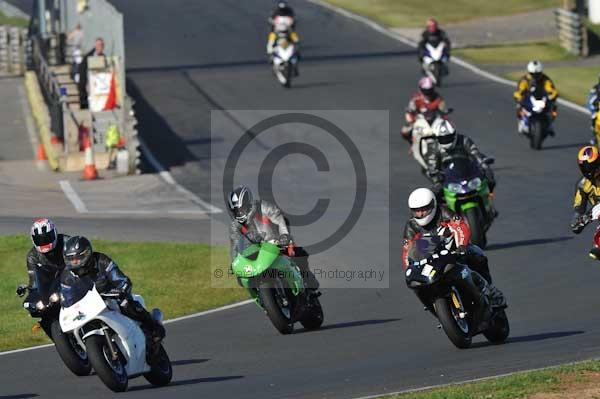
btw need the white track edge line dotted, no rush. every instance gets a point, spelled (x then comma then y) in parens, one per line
(168, 178)
(191, 316)
(210, 311)
(72, 196)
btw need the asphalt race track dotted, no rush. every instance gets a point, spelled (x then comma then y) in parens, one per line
(192, 56)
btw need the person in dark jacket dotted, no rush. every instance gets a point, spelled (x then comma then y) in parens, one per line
(44, 262)
(261, 220)
(82, 262)
(427, 218)
(97, 51)
(432, 35)
(453, 145)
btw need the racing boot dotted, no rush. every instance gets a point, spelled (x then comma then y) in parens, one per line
(595, 253)
(496, 296)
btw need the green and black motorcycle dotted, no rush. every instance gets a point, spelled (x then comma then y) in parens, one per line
(276, 284)
(467, 193)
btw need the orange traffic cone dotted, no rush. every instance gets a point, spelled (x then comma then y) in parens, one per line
(89, 170)
(41, 153)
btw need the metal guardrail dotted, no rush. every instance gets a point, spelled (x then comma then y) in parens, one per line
(572, 32)
(54, 96)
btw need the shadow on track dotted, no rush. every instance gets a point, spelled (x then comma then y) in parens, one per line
(531, 338)
(192, 381)
(188, 361)
(351, 324)
(563, 146)
(310, 85)
(264, 62)
(526, 243)
(21, 396)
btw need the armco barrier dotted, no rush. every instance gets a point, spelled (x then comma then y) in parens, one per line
(40, 116)
(572, 32)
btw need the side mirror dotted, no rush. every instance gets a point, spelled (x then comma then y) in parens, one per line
(489, 161)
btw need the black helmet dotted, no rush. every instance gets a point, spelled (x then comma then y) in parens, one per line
(77, 254)
(241, 203)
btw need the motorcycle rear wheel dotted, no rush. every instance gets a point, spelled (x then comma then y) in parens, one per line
(499, 329)
(448, 316)
(161, 371)
(313, 316)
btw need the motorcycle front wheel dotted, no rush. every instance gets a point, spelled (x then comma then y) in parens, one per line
(72, 355)
(452, 316)
(276, 299)
(475, 222)
(537, 134)
(111, 371)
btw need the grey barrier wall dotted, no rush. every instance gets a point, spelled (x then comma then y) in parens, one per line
(572, 31)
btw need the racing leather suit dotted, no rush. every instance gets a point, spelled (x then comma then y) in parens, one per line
(292, 36)
(420, 104)
(265, 223)
(42, 268)
(434, 39)
(108, 278)
(446, 224)
(464, 147)
(586, 192)
(525, 83)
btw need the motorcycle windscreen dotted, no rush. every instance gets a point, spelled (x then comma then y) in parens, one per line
(73, 289)
(423, 248)
(458, 170)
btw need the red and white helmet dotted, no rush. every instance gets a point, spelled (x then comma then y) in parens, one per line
(44, 235)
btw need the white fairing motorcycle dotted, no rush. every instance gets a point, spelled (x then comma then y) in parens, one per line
(285, 59)
(115, 344)
(423, 136)
(284, 54)
(435, 62)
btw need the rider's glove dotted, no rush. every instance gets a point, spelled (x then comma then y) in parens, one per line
(284, 240)
(254, 237)
(461, 250)
(21, 290)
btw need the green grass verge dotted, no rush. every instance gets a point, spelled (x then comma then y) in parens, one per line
(413, 13)
(13, 21)
(573, 83)
(175, 277)
(518, 52)
(522, 385)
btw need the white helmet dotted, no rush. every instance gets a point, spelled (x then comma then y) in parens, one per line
(423, 206)
(535, 67)
(445, 132)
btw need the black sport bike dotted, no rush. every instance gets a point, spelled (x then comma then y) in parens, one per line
(458, 296)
